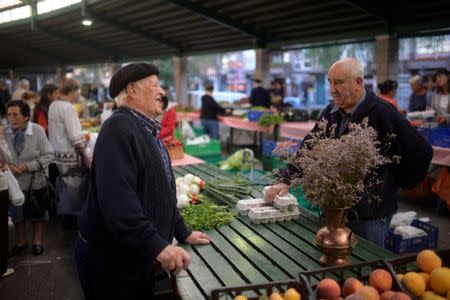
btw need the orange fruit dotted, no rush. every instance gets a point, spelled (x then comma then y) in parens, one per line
(292, 294)
(428, 260)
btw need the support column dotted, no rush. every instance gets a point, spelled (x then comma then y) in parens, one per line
(262, 67)
(180, 74)
(59, 74)
(386, 57)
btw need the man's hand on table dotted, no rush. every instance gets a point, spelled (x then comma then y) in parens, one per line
(197, 237)
(277, 189)
(174, 259)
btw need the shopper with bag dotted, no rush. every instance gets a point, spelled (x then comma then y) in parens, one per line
(68, 142)
(31, 154)
(5, 157)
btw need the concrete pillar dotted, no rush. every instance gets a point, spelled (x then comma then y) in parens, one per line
(180, 74)
(262, 68)
(12, 77)
(59, 74)
(386, 57)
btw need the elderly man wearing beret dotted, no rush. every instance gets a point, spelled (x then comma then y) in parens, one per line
(130, 217)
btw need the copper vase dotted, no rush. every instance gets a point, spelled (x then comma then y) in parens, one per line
(335, 240)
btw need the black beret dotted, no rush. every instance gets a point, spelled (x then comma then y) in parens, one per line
(130, 73)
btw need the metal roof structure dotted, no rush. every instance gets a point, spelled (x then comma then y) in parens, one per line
(125, 30)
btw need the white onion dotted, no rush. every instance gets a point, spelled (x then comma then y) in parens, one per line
(188, 179)
(183, 188)
(194, 189)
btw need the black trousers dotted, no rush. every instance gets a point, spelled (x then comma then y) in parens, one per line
(4, 203)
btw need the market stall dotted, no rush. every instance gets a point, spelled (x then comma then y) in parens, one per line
(243, 253)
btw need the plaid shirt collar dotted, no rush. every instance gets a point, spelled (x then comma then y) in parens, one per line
(151, 125)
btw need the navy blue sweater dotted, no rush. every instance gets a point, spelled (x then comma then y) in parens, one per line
(414, 150)
(130, 213)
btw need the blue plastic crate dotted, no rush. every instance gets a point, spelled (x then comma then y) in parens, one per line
(397, 244)
(440, 137)
(267, 147)
(254, 115)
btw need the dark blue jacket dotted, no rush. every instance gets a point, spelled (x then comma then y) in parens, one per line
(414, 150)
(260, 97)
(131, 212)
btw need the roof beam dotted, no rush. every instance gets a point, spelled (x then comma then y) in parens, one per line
(114, 54)
(372, 8)
(223, 20)
(151, 36)
(33, 49)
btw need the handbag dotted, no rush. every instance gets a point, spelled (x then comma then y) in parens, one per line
(37, 201)
(16, 195)
(72, 188)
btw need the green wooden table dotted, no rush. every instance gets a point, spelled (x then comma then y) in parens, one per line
(243, 253)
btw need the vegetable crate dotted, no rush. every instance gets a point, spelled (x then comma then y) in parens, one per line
(268, 146)
(254, 115)
(440, 137)
(360, 271)
(407, 263)
(397, 244)
(202, 150)
(269, 163)
(254, 291)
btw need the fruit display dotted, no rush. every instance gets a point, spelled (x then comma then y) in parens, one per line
(428, 277)
(287, 290)
(174, 147)
(88, 123)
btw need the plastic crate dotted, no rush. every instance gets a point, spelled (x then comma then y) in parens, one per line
(254, 291)
(440, 137)
(407, 263)
(254, 115)
(360, 271)
(267, 147)
(203, 150)
(397, 244)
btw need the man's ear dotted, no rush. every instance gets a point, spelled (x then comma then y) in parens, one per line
(131, 89)
(359, 80)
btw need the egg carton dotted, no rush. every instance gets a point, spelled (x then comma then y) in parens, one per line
(243, 206)
(272, 214)
(286, 202)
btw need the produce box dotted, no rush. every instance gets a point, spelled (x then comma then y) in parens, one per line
(203, 150)
(268, 146)
(407, 263)
(254, 291)
(269, 163)
(397, 244)
(254, 115)
(440, 137)
(360, 271)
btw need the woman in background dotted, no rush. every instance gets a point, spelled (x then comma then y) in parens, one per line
(388, 90)
(441, 97)
(49, 93)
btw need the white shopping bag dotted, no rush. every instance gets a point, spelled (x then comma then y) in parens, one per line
(16, 195)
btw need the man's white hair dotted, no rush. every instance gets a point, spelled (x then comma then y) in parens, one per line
(354, 66)
(416, 80)
(24, 84)
(122, 98)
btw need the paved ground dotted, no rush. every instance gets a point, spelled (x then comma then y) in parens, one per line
(52, 276)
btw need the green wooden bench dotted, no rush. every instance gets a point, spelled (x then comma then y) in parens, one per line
(243, 253)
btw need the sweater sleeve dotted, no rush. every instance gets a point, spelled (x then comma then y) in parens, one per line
(45, 151)
(116, 168)
(73, 125)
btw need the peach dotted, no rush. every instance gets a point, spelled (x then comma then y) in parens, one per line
(328, 289)
(381, 280)
(369, 293)
(387, 295)
(350, 286)
(354, 296)
(414, 283)
(428, 260)
(401, 296)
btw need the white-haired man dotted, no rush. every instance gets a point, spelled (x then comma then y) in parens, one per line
(24, 86)
(420, 97)
(130, 217)
(353, 103)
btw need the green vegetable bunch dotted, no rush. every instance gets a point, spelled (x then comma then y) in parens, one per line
(205, 216)
(234, 162)
(228, 190)
(267, 120)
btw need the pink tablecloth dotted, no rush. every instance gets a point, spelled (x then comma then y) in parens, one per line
(296, 130)
(188, 116)
(187, 160)
(239, 123)
(441, 156)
